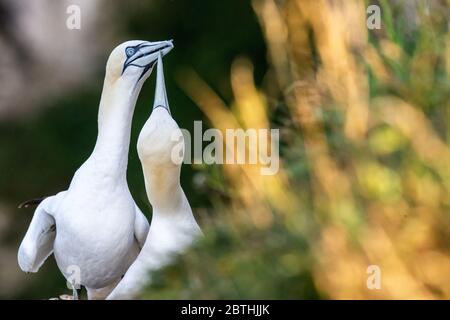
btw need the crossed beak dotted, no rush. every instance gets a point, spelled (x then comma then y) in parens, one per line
(146, 54)
(160, 91)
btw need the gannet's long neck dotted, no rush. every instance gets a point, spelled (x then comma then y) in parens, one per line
(162, 181)
(114, 125)
(164, 191)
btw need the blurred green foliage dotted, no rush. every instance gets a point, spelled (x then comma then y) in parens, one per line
(376, 198)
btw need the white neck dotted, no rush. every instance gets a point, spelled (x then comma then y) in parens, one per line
(164, 191)
(114, 125)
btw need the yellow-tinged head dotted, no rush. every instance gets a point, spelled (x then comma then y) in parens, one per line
(134, 60)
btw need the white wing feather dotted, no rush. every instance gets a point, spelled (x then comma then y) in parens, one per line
(37, 244)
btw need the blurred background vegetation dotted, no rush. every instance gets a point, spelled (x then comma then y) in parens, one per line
(364, 121)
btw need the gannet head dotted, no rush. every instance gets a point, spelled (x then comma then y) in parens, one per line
(133, 60)
(160, 142)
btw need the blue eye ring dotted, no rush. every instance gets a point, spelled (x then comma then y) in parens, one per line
(129, 51)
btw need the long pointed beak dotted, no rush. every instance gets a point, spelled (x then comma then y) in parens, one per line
(151, 47)
(160, 91)
(146, 55)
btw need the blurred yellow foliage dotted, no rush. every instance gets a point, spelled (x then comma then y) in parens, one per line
(380, 195)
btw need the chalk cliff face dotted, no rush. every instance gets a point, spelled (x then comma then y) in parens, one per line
(36, 44)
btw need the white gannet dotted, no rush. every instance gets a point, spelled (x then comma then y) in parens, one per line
(95, 227)
(173, 227)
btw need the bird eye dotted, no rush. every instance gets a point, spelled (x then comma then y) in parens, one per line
(130, 51)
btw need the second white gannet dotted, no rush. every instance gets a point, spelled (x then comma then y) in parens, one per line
(94, 228)
(173, 227)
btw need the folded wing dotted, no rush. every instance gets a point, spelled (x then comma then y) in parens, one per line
(37, 244)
